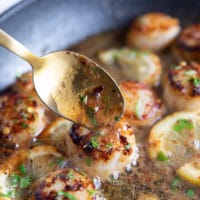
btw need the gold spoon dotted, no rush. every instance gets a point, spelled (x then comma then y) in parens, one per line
(72, 85)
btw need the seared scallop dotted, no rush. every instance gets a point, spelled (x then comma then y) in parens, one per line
(182, 87)
(105, 152)
(24, 84)
(134, 64)
(153, 31)
(21, 119)
(187, 44)
(64, 184)
(142, 107)
(20, 170)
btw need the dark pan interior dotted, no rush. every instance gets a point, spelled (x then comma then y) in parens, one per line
(49, 25)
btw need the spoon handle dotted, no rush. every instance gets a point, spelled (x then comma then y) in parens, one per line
(16, 47)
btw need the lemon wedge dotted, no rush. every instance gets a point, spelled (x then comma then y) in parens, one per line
(177, 135)
(190, 172)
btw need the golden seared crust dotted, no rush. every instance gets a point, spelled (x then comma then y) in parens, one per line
(63, 184)
(20, 120)
(133, 64)
(182, 85)
(142, 107)
(153, 31)
(187, 44)
(96, 145)
(99, 153)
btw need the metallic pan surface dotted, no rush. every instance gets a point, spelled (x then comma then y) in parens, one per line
(50, 25)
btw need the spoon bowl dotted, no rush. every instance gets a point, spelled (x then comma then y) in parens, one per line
(72, 85)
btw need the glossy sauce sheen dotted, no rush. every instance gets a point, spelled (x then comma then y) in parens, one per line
(148, 176)
(89, 103)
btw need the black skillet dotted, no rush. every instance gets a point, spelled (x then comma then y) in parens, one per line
(49, 25)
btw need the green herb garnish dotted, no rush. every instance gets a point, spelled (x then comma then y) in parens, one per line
(190, 193)
(128, 146)
(22, 169)
(175, 183)
(22, 182)
(8, 194)
(24, 115)
(25, 182)
(116, 118)
(196, 81)
(162, 157)
(66, 194)
(70, 175)
(182, 124)
(83, 99)
(24, 125)
(109, 145)
(88, 161)
(60, 161)
(90, 113)
(91, 192)
(94, 142)
(15, 179)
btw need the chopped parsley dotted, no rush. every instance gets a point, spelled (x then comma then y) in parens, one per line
(182, 124)
(88, 161)
(8, 194)
(66, 194)
(162, 157)
(21, 182)
(195, 81)
(117, 118)
(128, 146)
(24, 125)
(83, 99)
(25, 182)
(94, 142)
(175, 183)
(70, 175)
(60, 161)
(190, 193)
(109, 145)
(91, 192)
(22, 169)
(15, 179)
(90, 113)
